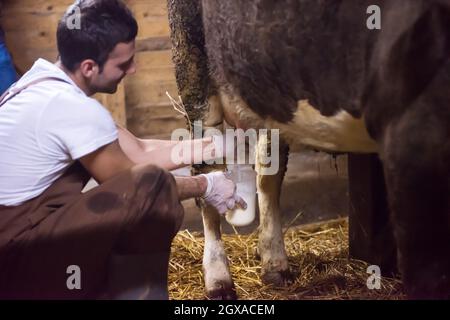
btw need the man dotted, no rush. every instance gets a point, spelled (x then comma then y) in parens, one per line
(113, 241)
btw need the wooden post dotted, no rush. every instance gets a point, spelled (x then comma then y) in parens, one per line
(370, 232)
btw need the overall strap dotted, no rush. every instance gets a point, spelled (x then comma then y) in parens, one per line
(13, 91)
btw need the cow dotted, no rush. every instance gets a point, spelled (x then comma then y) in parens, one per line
(316, 71)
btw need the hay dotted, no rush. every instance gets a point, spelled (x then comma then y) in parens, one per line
(318, 256)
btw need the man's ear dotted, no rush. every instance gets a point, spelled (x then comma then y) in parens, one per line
(89, 68)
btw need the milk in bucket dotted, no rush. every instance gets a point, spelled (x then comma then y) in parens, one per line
(245, 179)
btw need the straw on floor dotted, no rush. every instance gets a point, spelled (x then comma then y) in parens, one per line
(318, 256)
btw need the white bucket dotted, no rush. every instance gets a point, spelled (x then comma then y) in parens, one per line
(245, 178)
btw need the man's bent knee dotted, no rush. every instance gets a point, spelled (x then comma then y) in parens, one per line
(157, 211)
(156, 186)
(146, 174)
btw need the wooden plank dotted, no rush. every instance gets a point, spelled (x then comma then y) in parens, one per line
(149, 92)
(151, 16)
(25, 60)
(35, 6)
(155, 75)
(146, 119)
(370, 233)
(44, 16)
(31, 29)
(141, 8)
(154, 44)
(161, 126)
(159, 59)
(149, 111)
(147, 122)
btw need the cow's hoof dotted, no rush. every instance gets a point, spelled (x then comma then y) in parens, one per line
(282, 278)
(222, 292)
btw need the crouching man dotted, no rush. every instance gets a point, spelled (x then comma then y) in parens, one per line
(53, 139)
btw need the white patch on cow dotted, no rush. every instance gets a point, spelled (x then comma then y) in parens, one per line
(339, 133)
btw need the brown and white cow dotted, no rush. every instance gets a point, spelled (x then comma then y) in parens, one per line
(315, 71)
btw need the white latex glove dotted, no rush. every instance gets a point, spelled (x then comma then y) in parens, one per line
(221, 192)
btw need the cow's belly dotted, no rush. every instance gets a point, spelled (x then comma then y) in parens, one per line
(339, 133)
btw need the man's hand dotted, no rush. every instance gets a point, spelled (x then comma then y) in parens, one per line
(221, 193)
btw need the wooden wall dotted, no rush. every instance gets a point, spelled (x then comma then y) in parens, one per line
(141, 102)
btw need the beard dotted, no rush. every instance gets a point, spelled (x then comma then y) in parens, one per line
(109, 88)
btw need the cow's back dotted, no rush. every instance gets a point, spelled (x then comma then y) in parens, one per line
(276, 53)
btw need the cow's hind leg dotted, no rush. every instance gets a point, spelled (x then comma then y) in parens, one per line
(275, 265)
(416, 156)
(218, 282)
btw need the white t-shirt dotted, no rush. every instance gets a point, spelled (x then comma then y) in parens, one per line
(44, 129)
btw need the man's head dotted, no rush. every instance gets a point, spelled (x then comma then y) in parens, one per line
(100, 47)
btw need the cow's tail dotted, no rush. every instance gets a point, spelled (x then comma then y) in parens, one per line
(189, 55)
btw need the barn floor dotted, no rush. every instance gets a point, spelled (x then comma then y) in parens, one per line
(318, 256)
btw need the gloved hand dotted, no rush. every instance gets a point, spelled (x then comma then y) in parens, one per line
(221, 192)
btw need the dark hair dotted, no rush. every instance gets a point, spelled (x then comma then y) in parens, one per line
(100, 26)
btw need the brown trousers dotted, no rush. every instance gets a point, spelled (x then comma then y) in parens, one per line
(136, 212)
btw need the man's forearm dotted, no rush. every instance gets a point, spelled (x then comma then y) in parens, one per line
(191, 187)
(152, 144)
(163, 153)
(167, 154)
